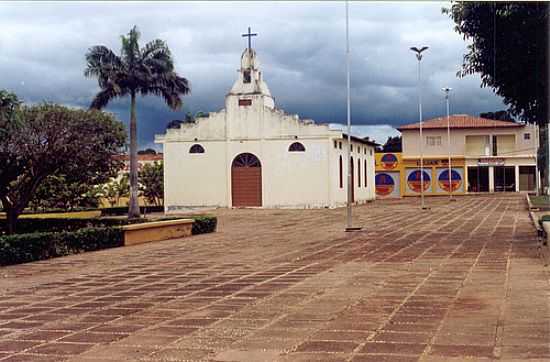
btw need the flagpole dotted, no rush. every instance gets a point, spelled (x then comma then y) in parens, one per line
(349, 222)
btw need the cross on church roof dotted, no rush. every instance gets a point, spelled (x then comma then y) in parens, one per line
(249, 35)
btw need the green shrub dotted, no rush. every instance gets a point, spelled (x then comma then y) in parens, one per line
(204, 224)
(23, 248)
(34, 225)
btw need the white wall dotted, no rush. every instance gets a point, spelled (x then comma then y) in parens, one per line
(194, 179)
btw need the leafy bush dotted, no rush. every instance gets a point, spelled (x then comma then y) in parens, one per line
(39, 225)
(204, 224)
(22, 248)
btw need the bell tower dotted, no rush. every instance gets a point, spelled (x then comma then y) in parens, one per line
(249, 89)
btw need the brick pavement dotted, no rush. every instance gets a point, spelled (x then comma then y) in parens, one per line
(462, 281)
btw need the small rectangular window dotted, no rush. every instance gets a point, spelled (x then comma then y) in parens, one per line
(335, 144)
(495, 146)
(433, 141)
(351, 148)
(340, 145)
(527, 136)
(245, 102)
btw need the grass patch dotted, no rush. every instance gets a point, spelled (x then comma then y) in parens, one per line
(542, 201)
(59, 215)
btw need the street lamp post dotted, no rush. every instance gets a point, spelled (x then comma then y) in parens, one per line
(418, 53)
(447, 90)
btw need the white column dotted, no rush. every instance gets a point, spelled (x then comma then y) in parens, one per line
(516, 169)
(491, 179)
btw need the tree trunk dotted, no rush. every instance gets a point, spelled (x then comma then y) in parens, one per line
(133, 206)
(11, 218)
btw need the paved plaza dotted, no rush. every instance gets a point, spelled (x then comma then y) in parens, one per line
(462, 281)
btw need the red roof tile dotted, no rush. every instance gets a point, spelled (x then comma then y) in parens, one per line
(460, 121)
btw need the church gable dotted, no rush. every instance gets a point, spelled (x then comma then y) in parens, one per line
(249, 113)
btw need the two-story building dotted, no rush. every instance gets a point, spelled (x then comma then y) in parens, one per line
(486, 155)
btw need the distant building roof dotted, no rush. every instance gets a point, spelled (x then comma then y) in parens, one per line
(460, 121)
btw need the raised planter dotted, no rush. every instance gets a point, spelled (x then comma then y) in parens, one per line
(157, 231)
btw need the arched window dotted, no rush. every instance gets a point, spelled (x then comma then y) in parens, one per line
(296, 147)
(358, 173)
(196, 148)
(365, 170)
(341, 176)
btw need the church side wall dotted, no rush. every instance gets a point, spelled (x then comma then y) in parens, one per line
(196, 179)
(362, 193)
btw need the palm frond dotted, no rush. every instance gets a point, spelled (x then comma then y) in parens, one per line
(130, 47)
(106, 95)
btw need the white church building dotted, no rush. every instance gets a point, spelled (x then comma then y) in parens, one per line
(252, 154)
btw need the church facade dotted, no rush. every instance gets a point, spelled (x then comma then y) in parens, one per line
(251, 154)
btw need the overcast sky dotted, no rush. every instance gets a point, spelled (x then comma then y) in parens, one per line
(300, 46)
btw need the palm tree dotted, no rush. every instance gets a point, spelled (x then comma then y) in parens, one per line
(144, 71)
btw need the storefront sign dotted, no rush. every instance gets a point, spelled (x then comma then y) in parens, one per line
(488, 161)
(433, 162)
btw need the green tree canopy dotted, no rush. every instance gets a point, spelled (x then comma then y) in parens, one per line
(56, 140)
(509, 48)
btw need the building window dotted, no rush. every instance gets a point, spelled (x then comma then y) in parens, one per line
(341, 173)
(340, 145)
(351, 147)
(433, 141)
(335, 144)
(245, 102)
(495, 146)
(246, 76)
(196, 148)
(365, 150)
(358, 173)
(296, 147)
(370, 152)
(365, 170)
(527, 136)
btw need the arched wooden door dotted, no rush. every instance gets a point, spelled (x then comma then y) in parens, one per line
(352, 180)
(246, 181)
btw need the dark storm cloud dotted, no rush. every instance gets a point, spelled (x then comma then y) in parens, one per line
(300, 46)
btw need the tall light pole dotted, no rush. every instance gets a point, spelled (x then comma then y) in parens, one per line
(447, 90)
(418, 53)
(349, 226)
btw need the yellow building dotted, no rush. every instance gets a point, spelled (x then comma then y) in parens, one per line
(486, 156)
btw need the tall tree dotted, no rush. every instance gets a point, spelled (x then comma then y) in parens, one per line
(53, 139)
(144, 71)
(509, 48)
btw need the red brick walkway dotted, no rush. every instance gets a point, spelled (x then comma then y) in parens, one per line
(460, 282)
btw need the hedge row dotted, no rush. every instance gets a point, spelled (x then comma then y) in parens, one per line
(107, 233)
(23, 248)
(203, 224)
